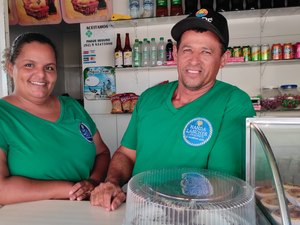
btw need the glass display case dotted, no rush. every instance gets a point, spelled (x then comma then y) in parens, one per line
(273, 167)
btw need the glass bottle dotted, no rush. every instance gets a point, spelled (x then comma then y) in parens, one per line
(251, 4)
(237, 5)
(162, 8)
(176, 8)
(161, 52)
(127, 52)
(136, 54)
(222, 5)
(118, 52)
(153, 52)
(207, 4)
(191, 6)
(169, 50)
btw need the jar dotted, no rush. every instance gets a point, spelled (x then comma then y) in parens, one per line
(270, 98)
(290, 96)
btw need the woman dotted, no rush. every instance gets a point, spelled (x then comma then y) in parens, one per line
(49, 146)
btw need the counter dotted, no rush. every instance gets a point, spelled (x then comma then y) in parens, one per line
(59, 212)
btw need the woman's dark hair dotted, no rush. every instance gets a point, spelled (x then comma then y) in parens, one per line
(26, 38)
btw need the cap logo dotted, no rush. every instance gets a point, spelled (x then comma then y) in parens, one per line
(202, 13)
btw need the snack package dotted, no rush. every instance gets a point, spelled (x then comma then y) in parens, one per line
(116, 103)
(126, 102)
(12, 13)
(81, 11)
(38, 12)
(134, 98)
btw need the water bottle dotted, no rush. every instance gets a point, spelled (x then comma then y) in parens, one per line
(136, 54)
(161, 54)
(148, 8)
(134, 8)
(153, 52)
(145, 53)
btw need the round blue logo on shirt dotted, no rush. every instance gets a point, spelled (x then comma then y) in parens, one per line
(85, 132)
(197, 132)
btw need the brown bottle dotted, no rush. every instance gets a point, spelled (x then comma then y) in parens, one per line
(118, 52)
(127, 52)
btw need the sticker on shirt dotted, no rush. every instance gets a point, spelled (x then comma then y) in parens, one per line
(197, 132)
(85, 132)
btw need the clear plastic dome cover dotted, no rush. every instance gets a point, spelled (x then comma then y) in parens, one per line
(188, 197)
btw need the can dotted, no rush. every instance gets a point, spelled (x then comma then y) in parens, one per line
(276, 51)
(288, 51)
(255, 52)
(297, 50)
(246, 50)
(230, 50)
(236, 51)
(265, 52)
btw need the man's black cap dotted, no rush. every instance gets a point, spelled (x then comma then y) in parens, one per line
(206, 19)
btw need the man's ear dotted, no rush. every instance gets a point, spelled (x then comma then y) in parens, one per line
(224, 59)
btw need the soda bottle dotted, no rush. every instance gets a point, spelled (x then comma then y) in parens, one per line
(207, 4)
(222, 5)
(237, 5)
(161, 52)
(191, 6)
(134, 8)
(145, 53)
(153, 52)
(162, 8)
(118, 52)
(278, 3)
(251, 4)
(148, 8)
(265, 4)
(127, 52)
(291, 3)
(176, 8)
(136, 54)
(169, 50)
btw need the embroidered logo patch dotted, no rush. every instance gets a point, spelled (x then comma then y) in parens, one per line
(85, 132)
(197, 132)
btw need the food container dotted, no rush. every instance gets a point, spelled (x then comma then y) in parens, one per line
(185, 196)
(270, 98)
(290, 95)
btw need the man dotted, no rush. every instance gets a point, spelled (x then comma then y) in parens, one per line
(196, 121)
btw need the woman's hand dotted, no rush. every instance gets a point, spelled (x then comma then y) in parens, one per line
(82, 190)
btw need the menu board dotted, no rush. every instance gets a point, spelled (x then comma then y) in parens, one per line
(80, 11)
(12, 13)
(37, 12)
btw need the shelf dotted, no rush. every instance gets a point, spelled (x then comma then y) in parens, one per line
(229, 15)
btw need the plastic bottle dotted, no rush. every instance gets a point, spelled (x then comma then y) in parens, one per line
(136, 54)
(153, 52)
(169, 51)
(118, 52)
(222, 6)
(127, 52)
(161, 8)
(145, 53)
(207, 4)
(148, 8)
(161, 52)
(134, 8)
(176, 8)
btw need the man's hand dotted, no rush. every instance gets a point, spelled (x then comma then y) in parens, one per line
(107, 195)
(81, 190)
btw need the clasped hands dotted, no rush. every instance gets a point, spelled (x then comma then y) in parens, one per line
(82, 190)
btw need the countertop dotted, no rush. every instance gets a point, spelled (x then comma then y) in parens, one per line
(59, 212)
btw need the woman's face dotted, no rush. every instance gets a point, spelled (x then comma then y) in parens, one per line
(199, 58)
(34, 72)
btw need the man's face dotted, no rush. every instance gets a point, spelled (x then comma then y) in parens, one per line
(198, 58)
